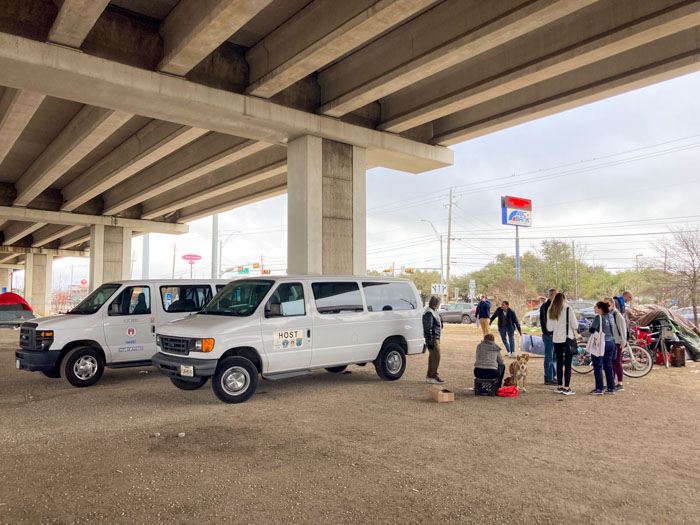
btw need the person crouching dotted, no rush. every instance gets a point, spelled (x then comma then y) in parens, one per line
(489, 362)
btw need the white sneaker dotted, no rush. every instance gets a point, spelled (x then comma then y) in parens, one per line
(432, 380)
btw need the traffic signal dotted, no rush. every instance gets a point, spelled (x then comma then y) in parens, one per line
(409, 270)
(265, 272)
(389, 270)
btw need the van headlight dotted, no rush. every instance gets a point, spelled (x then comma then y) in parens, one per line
(204, 345)
(158, 340)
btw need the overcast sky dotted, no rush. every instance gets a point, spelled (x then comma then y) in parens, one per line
(633, 157)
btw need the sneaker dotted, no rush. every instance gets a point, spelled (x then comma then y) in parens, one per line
(559, 390)
(619, 387)
(610, 392)
(438, 380)
(596, 392)
(550, 382)
(568, 392)
(431, 380)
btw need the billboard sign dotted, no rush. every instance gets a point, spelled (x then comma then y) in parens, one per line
(515, 217)
(516, 202)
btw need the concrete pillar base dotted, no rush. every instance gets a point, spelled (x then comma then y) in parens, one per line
(110, 254)
(326, 202)
(5, 280)
(37, 283)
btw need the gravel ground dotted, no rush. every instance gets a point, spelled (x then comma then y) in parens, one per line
(348, 448)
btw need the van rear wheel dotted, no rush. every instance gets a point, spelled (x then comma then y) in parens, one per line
(82, 366)
(189, 385)
(336, 369)
(391, 362)
(235, 380)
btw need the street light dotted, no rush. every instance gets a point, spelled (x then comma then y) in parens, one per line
(636, 259)
(442, 280)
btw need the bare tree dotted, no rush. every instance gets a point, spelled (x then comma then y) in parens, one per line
(681, 255)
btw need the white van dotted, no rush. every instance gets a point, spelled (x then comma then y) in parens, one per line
(114, 326)
(282, 327)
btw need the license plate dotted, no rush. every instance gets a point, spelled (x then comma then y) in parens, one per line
(186, 371)
(17, 364)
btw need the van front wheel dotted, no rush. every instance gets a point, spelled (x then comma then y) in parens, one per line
(235, 380)
(391, 362)
(82, 366)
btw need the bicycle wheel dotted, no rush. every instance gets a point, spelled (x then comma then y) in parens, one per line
(636, 361)
(582, 363)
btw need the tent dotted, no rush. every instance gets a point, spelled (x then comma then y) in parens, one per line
(14, 310)
(646, 314)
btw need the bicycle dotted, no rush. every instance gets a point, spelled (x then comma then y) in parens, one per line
(636, 361)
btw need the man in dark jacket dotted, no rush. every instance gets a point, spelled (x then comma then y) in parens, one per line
(483, 314)
(507, 323)
(432, 328)
(550, 360)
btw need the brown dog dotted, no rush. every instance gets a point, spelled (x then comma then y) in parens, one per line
(518, 371)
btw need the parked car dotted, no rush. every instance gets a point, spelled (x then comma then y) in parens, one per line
(581, 305)
(687, 312)
(115, 326)
(282, 327)
(532, 318)
(464, 313)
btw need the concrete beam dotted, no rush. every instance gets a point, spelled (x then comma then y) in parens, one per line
(319, 34)
(667, 58)
(256, 168)
(18, 230)
(74, 239)
(65, 73)
(45, 251)
(195, 28)
(257, 192)
(52, 232)
(153, 142)
(209, 153)
(448, 34)
(17, 107)
(8, 258)
(74, 21)
(87, 130)
(79, 219)
(12, 266)
(529, 61)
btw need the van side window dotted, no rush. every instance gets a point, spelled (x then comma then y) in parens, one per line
(389, 296)
(185, 298)
(335, 297)
(287, 301)
(134, 300)
(219, 287)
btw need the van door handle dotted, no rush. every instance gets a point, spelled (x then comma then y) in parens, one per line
(153, 329)
(308, 333)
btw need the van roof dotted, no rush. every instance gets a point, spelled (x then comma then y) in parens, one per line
(171, 281)
(320, 278)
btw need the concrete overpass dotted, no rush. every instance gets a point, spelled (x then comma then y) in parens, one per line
(130, 116)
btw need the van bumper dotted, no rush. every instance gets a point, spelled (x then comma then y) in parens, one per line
(170, 366)
(37, 360)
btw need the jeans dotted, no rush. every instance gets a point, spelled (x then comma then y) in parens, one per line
(434, 359)
(563, 364)
(510, 347)
(617, 364)
(489, 373)
(604, 362)
(550, 360)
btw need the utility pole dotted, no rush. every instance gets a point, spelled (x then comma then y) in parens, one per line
(145, 263)
(573, 254)
(214, 246)
(261, 263)
(221, 267)
(449, 239)
(133, 261)
(174, 251)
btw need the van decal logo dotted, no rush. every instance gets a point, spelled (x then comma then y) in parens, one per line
(131, 331)
(130, 348)
(284, 339)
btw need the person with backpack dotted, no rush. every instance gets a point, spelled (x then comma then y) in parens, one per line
(432, 329)
(483, 314)
(550, 360)
(507, 323)
(562, 323)
(620, 336)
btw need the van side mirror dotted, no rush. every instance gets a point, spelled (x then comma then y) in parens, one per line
(114, 309)
(267, 310)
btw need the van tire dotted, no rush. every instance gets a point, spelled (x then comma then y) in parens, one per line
(336, 369)
(189, 385)
(82, 366)
(235, 380)
(391, 362)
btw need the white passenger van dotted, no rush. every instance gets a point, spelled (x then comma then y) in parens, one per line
(114, 326)
(282, 327)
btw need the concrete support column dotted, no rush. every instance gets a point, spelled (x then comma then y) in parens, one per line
(37, 282)
(5, 279)
(326, 193)
(110, 254)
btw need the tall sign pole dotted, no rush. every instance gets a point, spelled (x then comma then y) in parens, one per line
(449, 238)
(516, 211)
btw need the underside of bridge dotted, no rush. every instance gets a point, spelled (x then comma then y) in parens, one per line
(130, 116)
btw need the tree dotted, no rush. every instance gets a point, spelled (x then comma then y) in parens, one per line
(423, 280)
(681, 254)
(515, 292)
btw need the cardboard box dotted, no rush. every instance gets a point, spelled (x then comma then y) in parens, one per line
(441, 395)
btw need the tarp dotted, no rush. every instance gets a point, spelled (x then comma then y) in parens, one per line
(645, 314)
(531, 344)
(9, 298)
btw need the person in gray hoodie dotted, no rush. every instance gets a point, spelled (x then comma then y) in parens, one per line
(489, 362)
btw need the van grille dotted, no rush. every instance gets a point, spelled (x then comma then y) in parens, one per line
(175, 345)
(27, 338)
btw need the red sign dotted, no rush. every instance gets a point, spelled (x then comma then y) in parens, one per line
(517, 203)
(83, 281)
(192, 257)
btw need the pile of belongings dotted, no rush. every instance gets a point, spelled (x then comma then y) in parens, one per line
(655, 314)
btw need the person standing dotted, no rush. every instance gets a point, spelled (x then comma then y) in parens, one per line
(550, 360)
(507, 323)
(432, 329)
(604, 322)
(489, 363)
(483, 314)
(620, 336)
(560, 316)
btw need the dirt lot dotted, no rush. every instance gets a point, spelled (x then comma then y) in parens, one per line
(348, 448)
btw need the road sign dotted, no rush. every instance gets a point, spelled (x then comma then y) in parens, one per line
(438, 289)
(675, 300)
(243, 271)
(191, 257)
(472, 287)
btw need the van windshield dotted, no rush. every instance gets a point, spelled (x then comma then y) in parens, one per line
(95, 300)
(238, 299)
